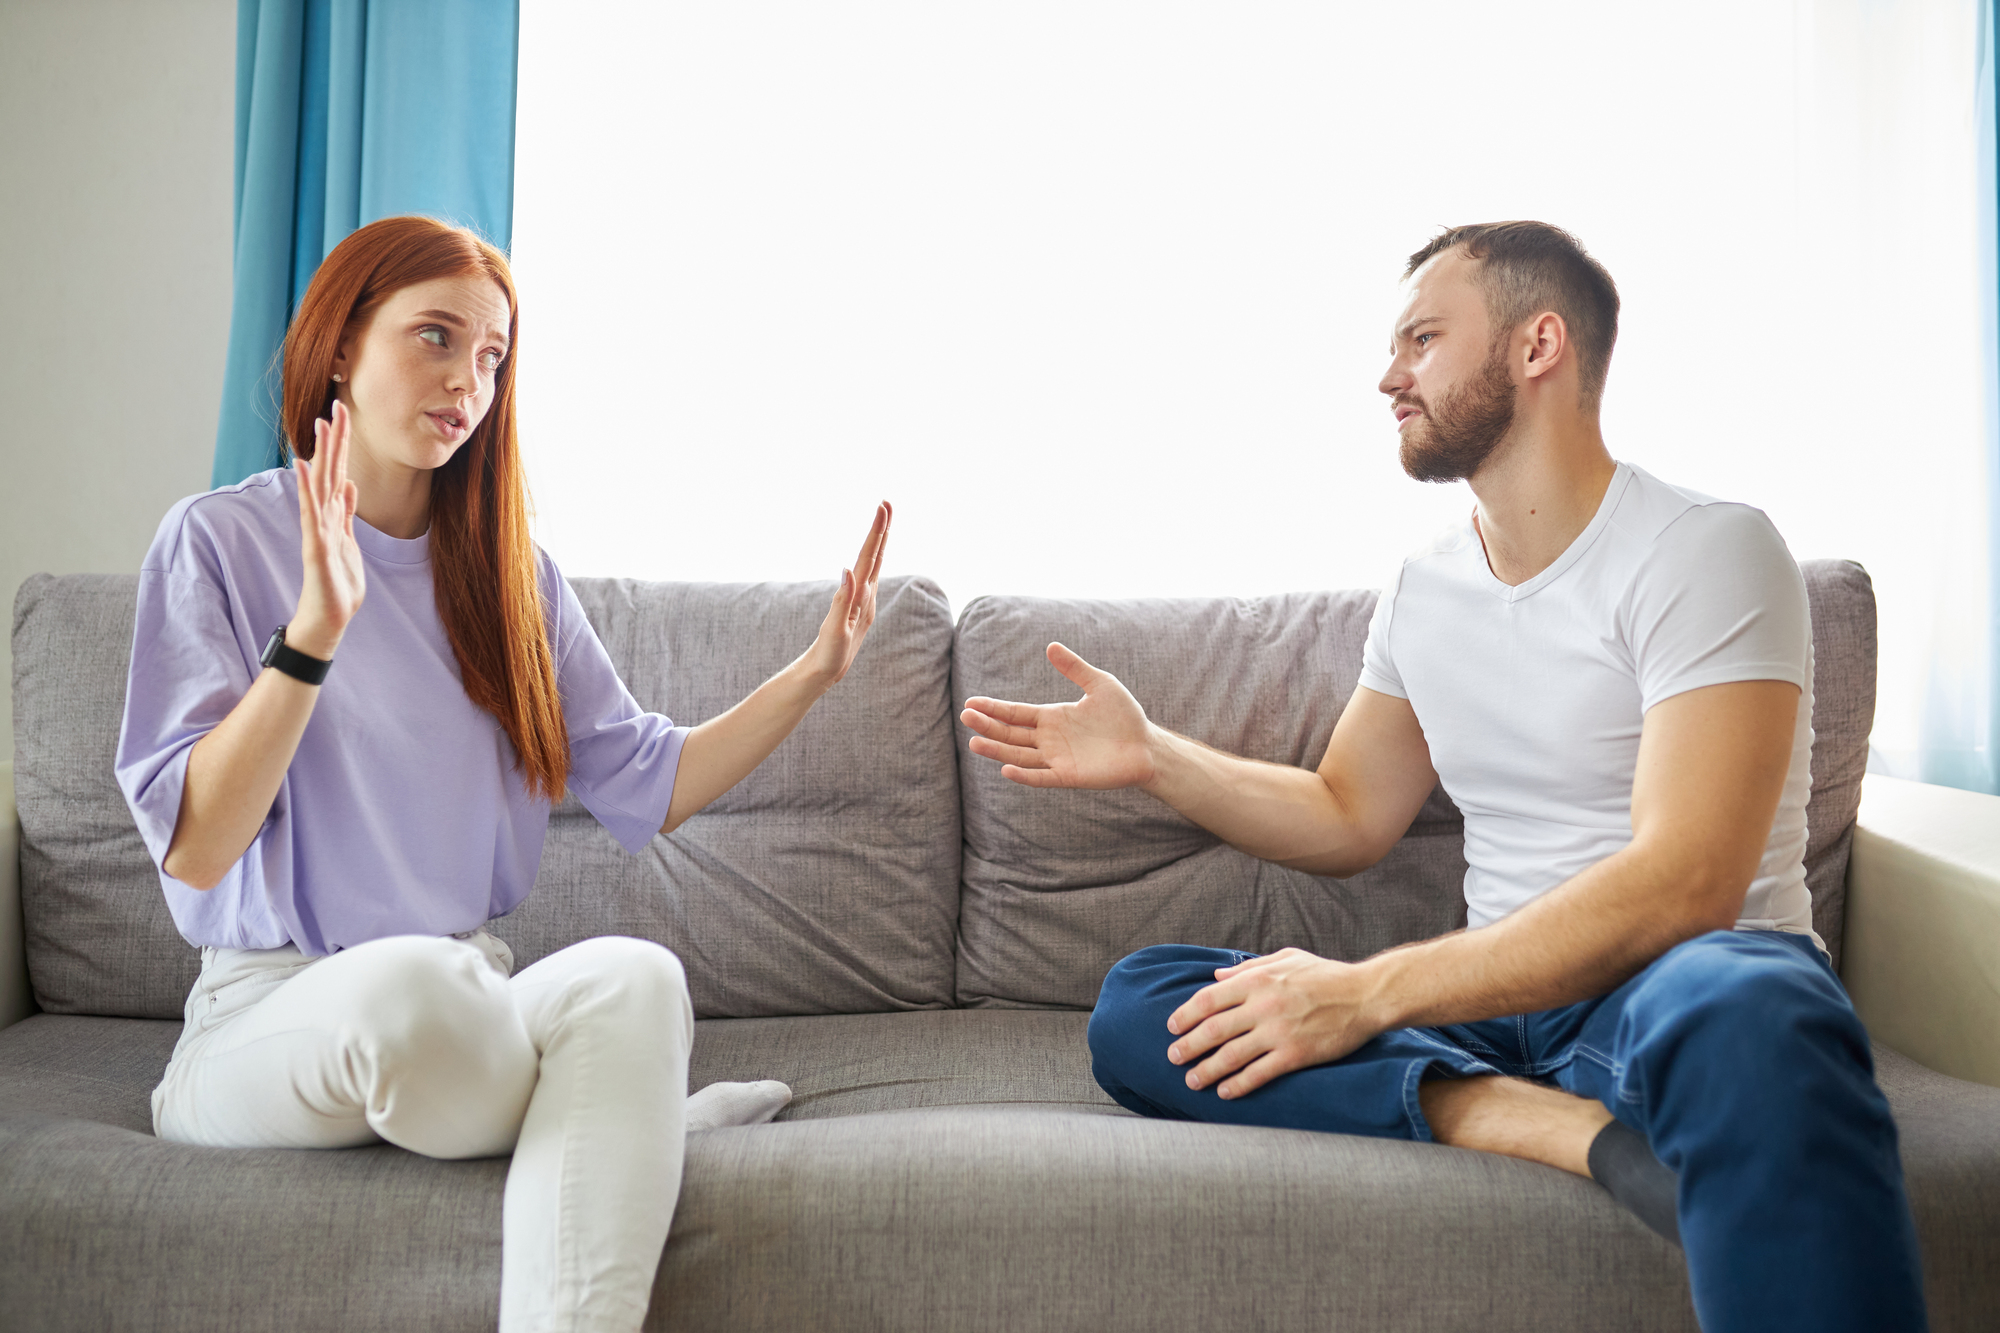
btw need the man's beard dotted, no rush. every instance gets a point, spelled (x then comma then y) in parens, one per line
(1456, 437)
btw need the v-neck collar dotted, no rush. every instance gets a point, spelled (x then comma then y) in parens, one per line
(1511, 593)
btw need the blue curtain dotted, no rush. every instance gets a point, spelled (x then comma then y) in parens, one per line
(348, 111)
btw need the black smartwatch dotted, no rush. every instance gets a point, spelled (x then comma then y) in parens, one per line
(291, 661)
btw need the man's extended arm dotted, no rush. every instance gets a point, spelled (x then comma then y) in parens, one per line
(1711, 769)
(1339, 820)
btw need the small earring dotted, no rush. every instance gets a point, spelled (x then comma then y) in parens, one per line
(337, 379)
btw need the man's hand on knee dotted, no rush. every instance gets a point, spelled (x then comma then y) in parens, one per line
(1269, 1016)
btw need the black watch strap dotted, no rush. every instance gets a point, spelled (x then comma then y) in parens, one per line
(291, 661)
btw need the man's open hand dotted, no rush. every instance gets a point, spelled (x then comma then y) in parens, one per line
(1100, 742)
(1269, 1016)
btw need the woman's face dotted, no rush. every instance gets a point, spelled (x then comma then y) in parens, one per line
(417, 376)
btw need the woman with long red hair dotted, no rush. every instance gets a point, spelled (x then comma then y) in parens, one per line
(340, 806)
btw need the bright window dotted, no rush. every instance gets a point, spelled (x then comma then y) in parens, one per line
(1099, 292)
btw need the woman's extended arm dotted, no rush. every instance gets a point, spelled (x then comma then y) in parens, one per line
(720, 752)
(233, 773)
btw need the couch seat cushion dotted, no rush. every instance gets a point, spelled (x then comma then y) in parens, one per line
(937, 1170)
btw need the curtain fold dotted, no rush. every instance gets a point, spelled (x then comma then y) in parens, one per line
(348, 111)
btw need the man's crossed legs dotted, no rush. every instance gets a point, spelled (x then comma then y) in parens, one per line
(1737, 1056)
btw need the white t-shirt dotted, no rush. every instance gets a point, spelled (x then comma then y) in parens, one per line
(1532, 697)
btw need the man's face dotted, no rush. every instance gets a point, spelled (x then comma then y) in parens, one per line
(1448, 381)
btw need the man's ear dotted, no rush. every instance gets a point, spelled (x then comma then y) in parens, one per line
(1548, 343)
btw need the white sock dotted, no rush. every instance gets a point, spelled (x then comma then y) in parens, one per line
(720, 1105)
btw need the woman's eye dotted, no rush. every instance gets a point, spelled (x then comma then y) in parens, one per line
(490, 360)
(1423, 339)
(433, 335)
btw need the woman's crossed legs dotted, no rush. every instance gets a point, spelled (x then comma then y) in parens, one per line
(578, 1065)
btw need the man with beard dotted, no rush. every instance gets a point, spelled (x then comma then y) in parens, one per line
(1612, 678)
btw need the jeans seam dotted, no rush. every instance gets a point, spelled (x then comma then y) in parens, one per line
(1440, 1043)
(1420, 1128)
(1617, 1072)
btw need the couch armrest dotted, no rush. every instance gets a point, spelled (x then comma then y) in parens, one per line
(16, 1000)
(1922, 949)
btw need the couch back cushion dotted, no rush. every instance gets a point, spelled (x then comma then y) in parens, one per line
(826, 882)
(1843, 617)
(99, 938)
(1059, 885)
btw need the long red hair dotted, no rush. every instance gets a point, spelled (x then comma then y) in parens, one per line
(484, 566)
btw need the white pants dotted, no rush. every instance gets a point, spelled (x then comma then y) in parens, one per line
(578, 1066)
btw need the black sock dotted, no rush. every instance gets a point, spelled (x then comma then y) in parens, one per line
(1621, 1161)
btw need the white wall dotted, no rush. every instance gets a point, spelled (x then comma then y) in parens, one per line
(116, 140)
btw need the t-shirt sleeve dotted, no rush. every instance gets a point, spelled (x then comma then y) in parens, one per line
(188, 670)
(623, 759)
(1719, 599)
(1378, 668)
(185, 677)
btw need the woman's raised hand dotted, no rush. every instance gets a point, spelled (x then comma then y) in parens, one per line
(722, 751)
(1101, 742)
(334, 579)
(853, 609)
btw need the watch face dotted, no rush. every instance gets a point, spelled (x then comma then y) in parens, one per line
(293, 663)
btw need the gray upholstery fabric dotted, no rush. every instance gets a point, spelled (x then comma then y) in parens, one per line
(827, 882)
(1842, 597)
(1949, 1134)
(857, 1064)
(939, 1170)
(846, 881)
(100, 940)
(1060, 884)
(106, 1230)
(1043, 1218)
(82, 1068)
(104, 1069)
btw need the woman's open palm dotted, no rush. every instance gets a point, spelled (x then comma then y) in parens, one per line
(1098, 742)
(335, 582)
(853, 609)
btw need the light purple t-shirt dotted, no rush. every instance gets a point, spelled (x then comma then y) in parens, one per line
(403, 811)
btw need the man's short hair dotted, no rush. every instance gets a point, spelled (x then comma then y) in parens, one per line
(1528, 267)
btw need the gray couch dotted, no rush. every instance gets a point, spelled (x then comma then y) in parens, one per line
(913, 944)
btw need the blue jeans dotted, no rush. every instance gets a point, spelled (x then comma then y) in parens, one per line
(1736, 1054)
